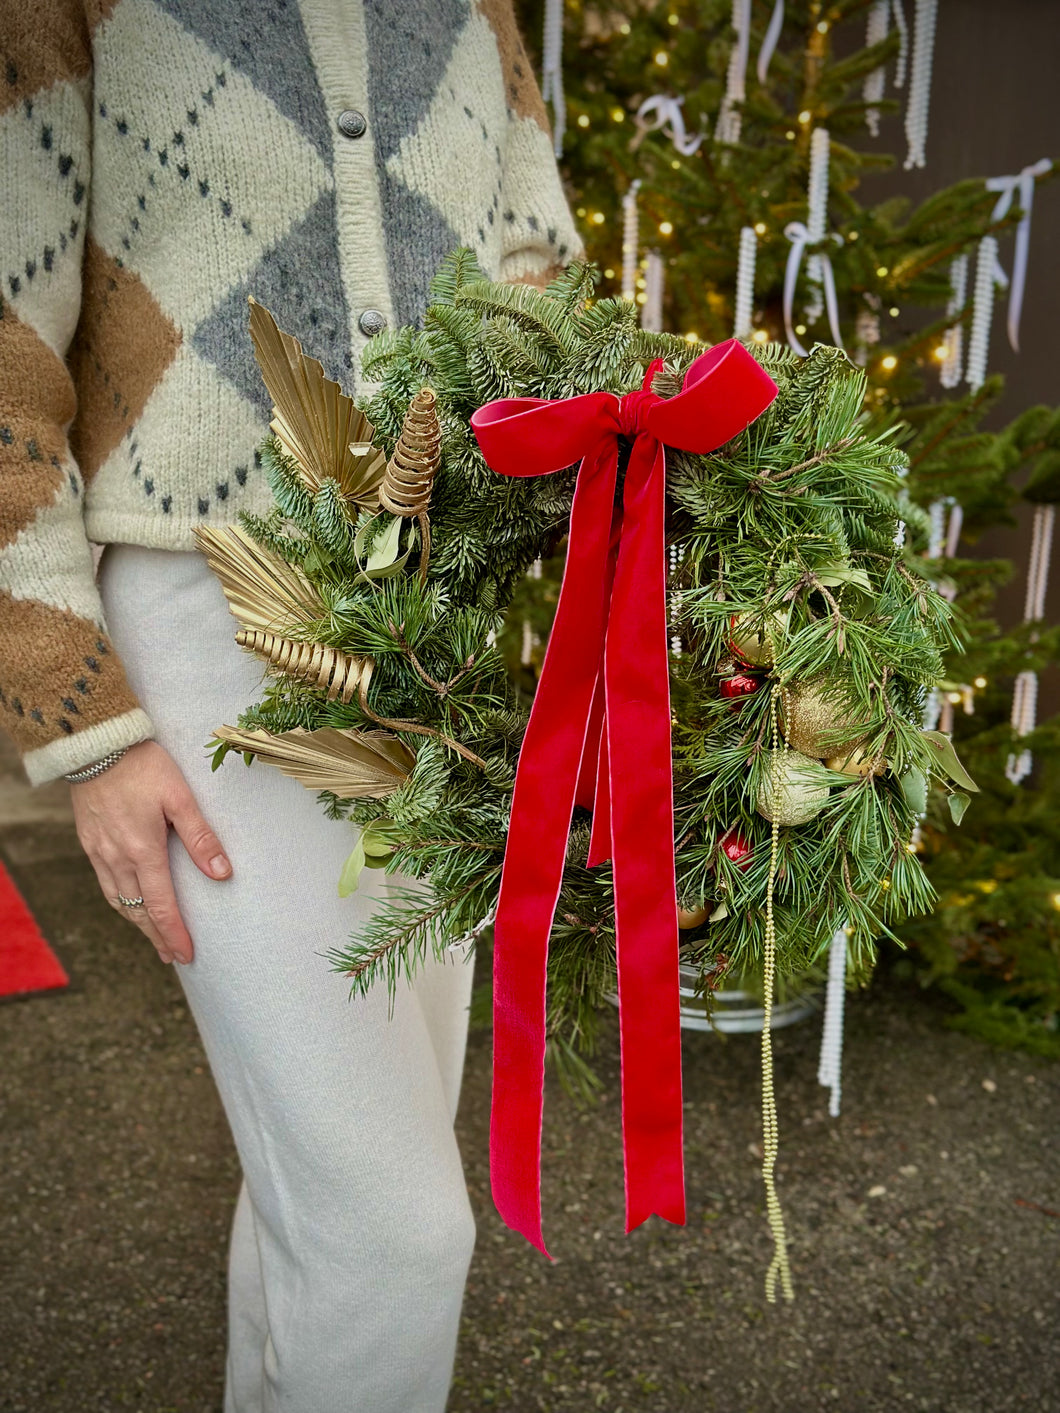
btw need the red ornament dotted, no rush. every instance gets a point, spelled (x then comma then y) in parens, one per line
(740, 685)
(737, 849)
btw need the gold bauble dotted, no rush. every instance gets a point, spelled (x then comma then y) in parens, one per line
(857, 762)
(687, 918)
(811, 712)
(750, 637)
(788, 793)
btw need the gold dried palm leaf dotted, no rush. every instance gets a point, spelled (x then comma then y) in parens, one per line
(322, 428)
(263, 591)
(353, 764)
(323, 667)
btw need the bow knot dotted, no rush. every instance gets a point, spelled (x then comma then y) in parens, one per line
(633, 409)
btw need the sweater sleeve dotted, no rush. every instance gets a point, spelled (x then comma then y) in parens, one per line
(64, 697)
(540, 237)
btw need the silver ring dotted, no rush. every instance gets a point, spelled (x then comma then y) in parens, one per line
(130, 902)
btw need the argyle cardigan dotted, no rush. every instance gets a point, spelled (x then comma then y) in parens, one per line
(159, 161)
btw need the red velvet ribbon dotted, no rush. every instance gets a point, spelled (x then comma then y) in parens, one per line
(599, 735)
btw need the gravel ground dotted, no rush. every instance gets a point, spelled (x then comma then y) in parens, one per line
(925, 1222)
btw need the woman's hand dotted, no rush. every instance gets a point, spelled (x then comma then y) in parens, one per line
(123, 817)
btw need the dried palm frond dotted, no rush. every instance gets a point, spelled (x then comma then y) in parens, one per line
(321, 666)
(353, 764)
(264, 592)
(410, 472)
(322, 428)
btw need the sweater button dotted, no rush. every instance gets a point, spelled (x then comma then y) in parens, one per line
(352, 123)
(371, 322)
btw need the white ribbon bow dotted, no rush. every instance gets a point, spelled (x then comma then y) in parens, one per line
(1022, 184)
(799, 236)
(769, 42)
(666, 113)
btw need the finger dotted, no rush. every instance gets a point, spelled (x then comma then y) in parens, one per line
(198, 838)
(162, 909)
(137, 916)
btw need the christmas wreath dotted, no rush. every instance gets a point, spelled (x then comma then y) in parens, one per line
(724, 761)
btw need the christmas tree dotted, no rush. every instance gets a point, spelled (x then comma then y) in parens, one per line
(714, 159)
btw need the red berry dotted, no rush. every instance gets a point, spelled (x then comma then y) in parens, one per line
(737, 850)
(740, 685)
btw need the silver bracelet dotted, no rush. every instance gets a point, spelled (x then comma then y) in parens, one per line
(97, 768)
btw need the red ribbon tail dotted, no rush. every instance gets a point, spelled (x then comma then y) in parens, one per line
(642, 825)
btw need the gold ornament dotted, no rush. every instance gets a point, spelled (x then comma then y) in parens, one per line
(687, 918)
(314, 420)
(857, 762)
(323, 667)
(788, 794)
(410, 472)
(366, 765)
(810, 713)
(752, 638)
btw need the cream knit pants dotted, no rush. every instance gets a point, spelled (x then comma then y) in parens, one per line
(353, 1231)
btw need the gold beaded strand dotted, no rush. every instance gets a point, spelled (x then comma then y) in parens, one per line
(779, 1266)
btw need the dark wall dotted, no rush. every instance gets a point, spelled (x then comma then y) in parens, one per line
(995, 107)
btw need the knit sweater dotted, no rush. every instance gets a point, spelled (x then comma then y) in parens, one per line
(159, 161)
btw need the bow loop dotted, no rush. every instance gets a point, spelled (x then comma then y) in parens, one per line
(534, 436)
(724, 390)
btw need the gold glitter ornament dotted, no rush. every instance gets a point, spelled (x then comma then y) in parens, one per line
(687, 918)
(856, 762)
(788, 793)
(810, 713)
(752, 639)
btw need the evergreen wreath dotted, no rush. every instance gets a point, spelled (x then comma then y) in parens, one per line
(378, 590)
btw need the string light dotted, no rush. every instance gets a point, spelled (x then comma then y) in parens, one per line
(673, 19)
(790, 135)
(882, 271)
(954, 698)
(1056, 900)
(609, 274)
(894, 311)
(980, 682)
(760, 228)
(800, 328)
(666, 228)
(623, 29)
(676, 165)
(580, 212)
(598, 219)
(583, 120)
(805, 116)
(642, 298)
(662, 58)
(691, 336)
(617, 115)
(822, 27)
(942, 352)
(889, 363)
(852, 236)
(761, 336)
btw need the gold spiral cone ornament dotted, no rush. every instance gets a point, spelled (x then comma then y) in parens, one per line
(314, 420)
(410, 472)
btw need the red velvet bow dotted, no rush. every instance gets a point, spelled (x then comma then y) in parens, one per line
(599, 735)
